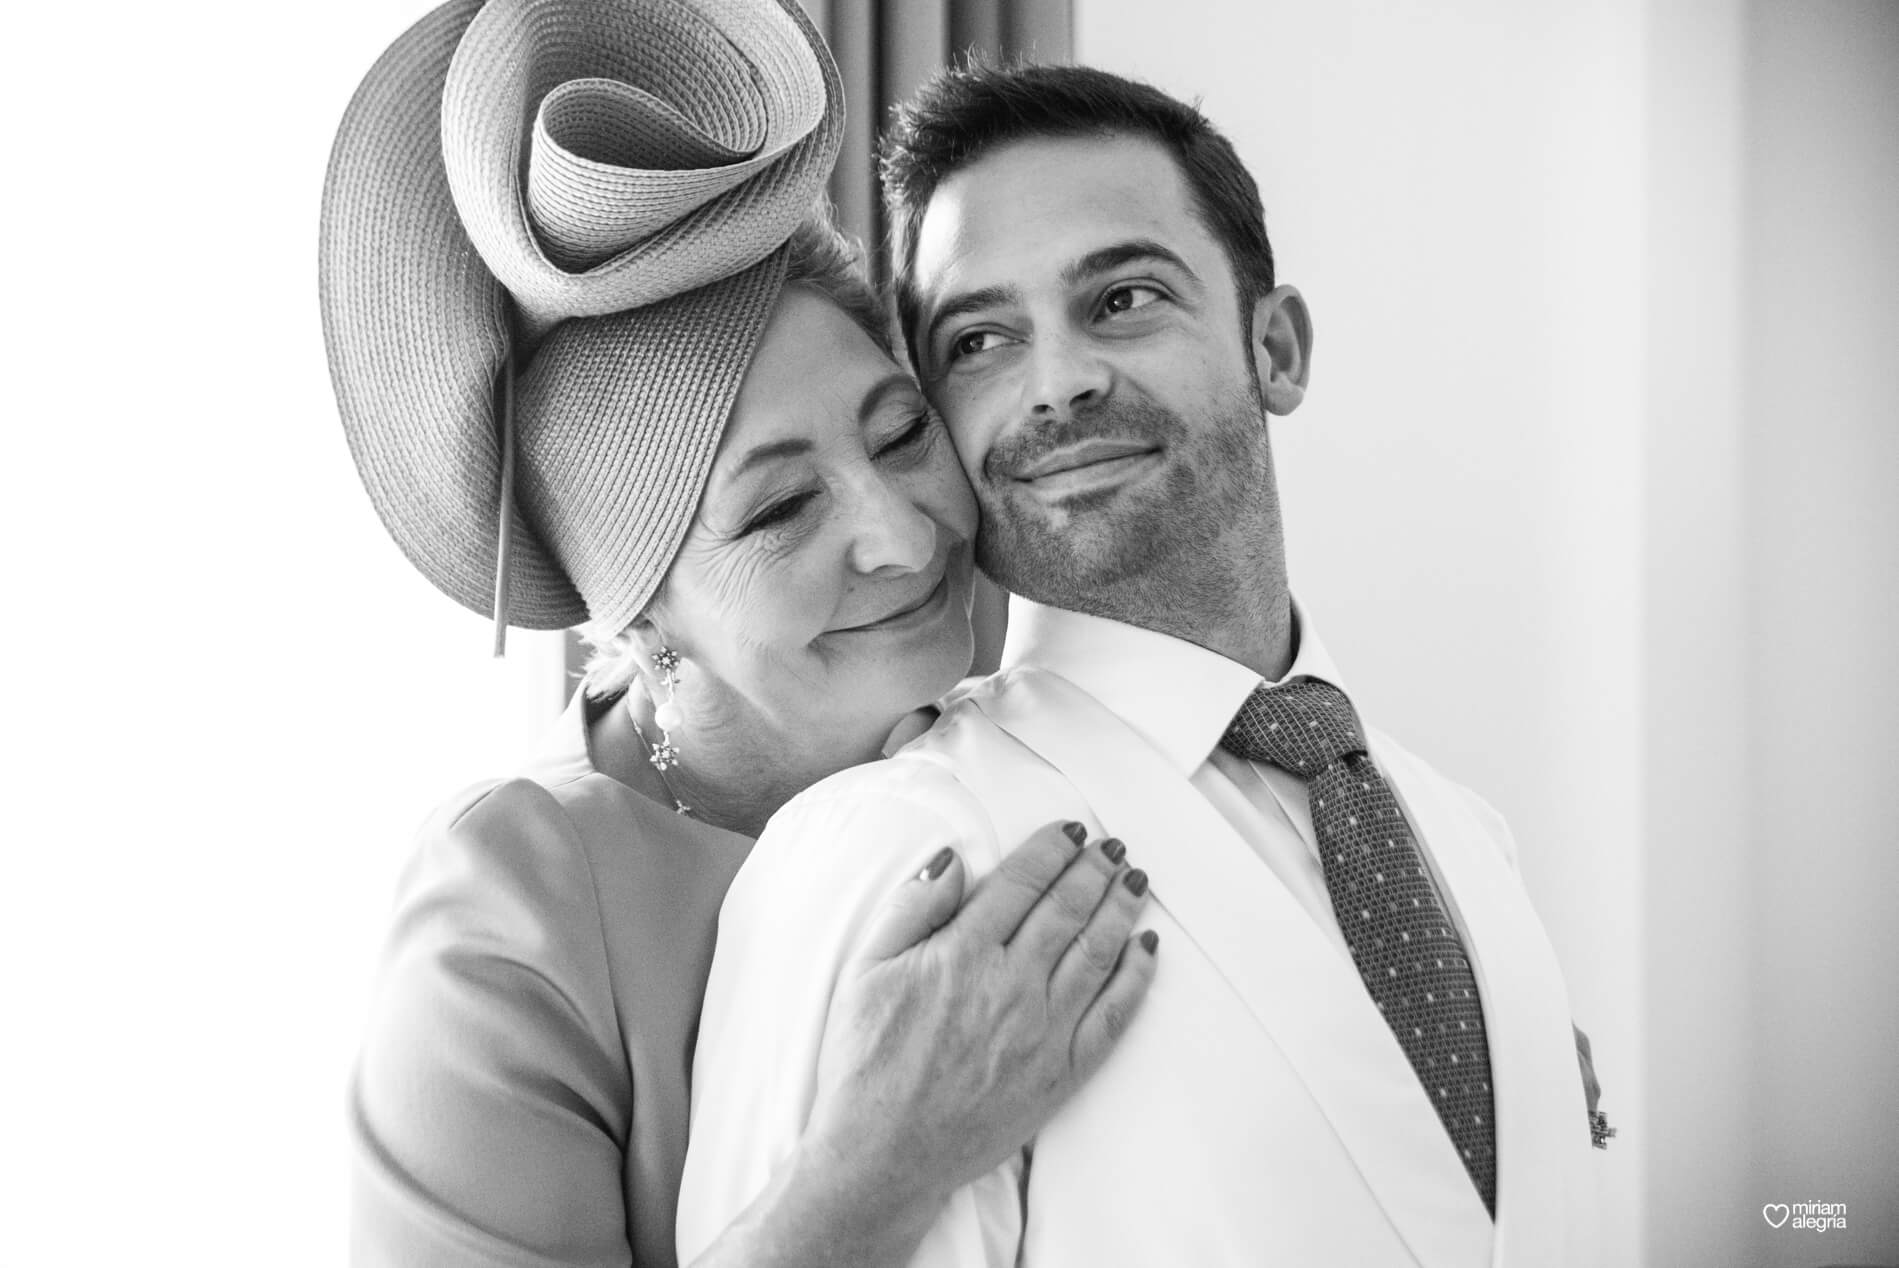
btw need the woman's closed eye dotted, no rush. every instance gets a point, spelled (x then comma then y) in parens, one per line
(909, 436)
(908, 439)
(782, 511)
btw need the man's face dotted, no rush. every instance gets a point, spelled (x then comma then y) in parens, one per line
(1080, 330)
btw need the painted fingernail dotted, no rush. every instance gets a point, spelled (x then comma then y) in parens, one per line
(1075, 832)
(1149, 940)
(1136, 881)
(937, 864)
(1113, 848)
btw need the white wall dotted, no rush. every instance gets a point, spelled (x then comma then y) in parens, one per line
(1821, 354)
(1457, 190)
(1699, 1034)
(229, 701)
(1591, 492)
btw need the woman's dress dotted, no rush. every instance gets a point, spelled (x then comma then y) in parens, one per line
(522, 1093)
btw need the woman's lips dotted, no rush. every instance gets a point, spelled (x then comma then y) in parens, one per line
(909, 608)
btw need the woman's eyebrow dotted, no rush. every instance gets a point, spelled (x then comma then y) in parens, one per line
(787, 448)
(892, 384)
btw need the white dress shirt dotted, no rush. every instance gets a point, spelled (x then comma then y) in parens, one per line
(1180, 698)
(1259, 1109)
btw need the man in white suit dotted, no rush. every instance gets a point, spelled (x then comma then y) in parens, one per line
(1357, 1048)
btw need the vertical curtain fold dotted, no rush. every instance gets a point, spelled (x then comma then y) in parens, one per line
(851, 28)
(915, 39)
(975, 25)
(886, 49)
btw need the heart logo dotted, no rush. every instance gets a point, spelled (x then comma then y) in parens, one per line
(1775, 1213)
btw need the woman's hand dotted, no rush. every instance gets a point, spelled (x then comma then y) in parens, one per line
(955, 1034)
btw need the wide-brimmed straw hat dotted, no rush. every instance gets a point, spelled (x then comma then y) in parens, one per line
(550, 240)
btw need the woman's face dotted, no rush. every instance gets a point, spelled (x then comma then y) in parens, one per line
(823, 589)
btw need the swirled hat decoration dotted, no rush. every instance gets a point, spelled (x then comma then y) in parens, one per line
(550, 241)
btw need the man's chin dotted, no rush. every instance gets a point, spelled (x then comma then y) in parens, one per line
(1062, 566)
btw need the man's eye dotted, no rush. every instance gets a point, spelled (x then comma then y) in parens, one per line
(1123, 299)
(780, 511)
(972, 343)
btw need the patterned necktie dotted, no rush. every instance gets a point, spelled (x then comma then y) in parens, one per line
(1394, 923)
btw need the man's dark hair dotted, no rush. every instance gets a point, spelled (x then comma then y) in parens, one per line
(963, 114)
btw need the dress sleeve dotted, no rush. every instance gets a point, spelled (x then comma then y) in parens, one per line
(491, 1102)
(798, 907)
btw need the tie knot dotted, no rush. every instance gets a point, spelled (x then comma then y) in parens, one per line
(1301, 727)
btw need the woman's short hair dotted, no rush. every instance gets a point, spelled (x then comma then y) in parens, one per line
(825, 258)
(821, 256)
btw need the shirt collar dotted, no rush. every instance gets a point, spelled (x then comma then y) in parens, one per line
(1177, 695)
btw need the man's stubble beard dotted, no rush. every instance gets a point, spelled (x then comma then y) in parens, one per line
(1168, 557)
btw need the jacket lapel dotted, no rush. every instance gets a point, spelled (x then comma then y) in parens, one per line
(1541, 1113)
(1297, 988)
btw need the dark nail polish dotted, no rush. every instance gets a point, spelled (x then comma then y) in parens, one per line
(1113, 848)
(1136, 881)
(937, 864)
(1075, 832)
(1149, 940)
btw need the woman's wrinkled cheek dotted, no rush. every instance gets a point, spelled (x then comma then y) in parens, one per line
(746, 595)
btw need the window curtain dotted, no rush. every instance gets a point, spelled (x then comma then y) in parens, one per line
(885, 49)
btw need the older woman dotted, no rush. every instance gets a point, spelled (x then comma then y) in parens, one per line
(599, 367)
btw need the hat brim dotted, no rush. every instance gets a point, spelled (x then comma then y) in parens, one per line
(421, 327)
(418, 331)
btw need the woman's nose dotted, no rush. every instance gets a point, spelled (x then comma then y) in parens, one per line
(891, 531)
(1065, 373)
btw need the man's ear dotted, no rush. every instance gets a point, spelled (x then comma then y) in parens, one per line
(1282, 348)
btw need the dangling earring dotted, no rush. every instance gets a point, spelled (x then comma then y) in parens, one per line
(666, 713)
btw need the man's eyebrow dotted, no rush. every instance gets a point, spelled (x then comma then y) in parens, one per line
(1134, 251)
(1102, 260)
(969, 302)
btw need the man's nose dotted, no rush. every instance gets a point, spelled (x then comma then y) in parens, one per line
(1066, 373)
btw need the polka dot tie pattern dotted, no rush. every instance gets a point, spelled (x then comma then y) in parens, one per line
(1401, 938)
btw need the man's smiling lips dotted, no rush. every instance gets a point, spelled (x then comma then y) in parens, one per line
(1087, 465)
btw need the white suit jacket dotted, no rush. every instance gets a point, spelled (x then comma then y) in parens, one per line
(1258, 1111)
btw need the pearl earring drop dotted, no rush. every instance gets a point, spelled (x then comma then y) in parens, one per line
(666, 713)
